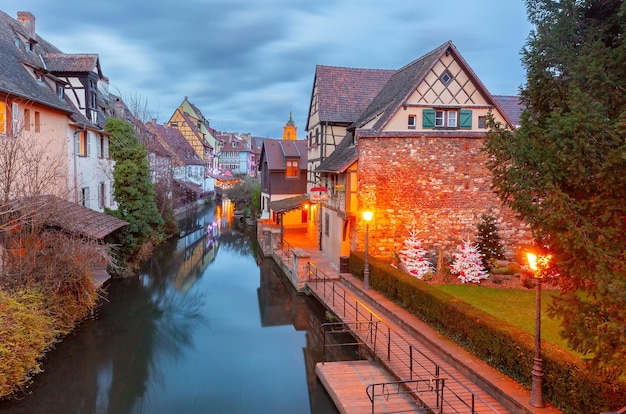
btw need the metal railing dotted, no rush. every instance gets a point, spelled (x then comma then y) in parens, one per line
(378, 333)
(413, 390)
(286, 251)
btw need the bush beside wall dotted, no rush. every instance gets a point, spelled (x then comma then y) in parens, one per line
(567, 383)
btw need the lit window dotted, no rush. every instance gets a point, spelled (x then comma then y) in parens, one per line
(292, 169)
(82, 144)
(3, 118)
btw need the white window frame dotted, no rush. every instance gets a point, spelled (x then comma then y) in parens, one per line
(446, 118)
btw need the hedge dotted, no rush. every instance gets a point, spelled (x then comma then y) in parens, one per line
(567, 383)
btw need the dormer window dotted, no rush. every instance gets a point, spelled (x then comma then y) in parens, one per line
(60, 91)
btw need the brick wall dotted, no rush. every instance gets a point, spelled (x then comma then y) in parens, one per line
(436, 185)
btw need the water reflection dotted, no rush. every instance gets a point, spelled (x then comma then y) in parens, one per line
(207, 327)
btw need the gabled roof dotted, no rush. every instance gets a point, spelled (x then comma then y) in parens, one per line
(404, 82)
(71, 217)
(174, 140)
(288, 204)
(343, 93)
(277, 151)
(512, 106)
(62, 62)
(193, 125)
(15, 79)
(344, 155)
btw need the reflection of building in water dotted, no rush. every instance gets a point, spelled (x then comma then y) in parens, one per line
(281, 304)
(195, 250)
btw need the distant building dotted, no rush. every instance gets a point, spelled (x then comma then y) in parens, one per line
(283, 170)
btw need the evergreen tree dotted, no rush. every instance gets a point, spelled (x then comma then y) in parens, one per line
(564, 169)
(133, 190)
(488, 241)
(467, 264)
(413, 257)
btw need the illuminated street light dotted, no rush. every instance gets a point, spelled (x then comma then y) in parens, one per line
(367, 216)
(536, 393)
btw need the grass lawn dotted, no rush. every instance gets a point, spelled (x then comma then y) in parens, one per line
(515, 306)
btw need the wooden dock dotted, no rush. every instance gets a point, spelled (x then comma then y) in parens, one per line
(402, 355)
(346, 383)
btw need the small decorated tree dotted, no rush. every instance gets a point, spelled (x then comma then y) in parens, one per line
(488, 241)
(467, 264)
(413, 257)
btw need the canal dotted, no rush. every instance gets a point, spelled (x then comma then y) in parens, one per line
(207, 327)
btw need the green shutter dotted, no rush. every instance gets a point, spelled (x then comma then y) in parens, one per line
(465, 119)
(428, 118)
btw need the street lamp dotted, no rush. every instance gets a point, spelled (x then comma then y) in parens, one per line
(367, 216)
(536, 393)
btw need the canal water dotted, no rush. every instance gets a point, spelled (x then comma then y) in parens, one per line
(207, 327)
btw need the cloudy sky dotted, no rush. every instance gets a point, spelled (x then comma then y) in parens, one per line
(247, 63)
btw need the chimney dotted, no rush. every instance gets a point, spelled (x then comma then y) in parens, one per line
(28, 21)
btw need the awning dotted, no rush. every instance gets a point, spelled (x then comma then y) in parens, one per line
(288, 204)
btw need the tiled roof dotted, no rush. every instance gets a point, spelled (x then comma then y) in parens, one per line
(343, 93)
(276, 151)
(61, 62)
(512, 106)
(176, 142)
(70, 217)
(15, 79)
(399, 87)
(341, 158)
(287, 204)
(404, 82)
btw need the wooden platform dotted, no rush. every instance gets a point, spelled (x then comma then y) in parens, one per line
(347, 381)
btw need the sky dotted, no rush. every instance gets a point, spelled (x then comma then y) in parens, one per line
(246, 64)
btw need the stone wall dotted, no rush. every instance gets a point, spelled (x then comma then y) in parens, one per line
(438, 186)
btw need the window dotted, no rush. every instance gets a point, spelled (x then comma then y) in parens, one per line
(445, 119)
(326, 224)
(3, 118)
(37, 122)
(60, 91)
(27, 119)
(482, 122)
(292, 169)
(15, 118)
(83, 197)
(101, 195)
(411, 123)
(446, 78)
(103, 147)
(82, 143)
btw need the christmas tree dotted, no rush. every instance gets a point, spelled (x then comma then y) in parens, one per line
(468, 264)
(413, 257)
(488, 241)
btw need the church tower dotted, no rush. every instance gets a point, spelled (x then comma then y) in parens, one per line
(290, 129)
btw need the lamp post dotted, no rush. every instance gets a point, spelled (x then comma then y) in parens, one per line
(536, 393)
(367, 216)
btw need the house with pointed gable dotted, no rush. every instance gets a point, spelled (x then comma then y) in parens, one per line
(339, 95)
(413, 157)
(55, 103)
(190, 121)
(283, 172)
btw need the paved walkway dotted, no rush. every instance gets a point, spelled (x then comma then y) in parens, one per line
(464, 373)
